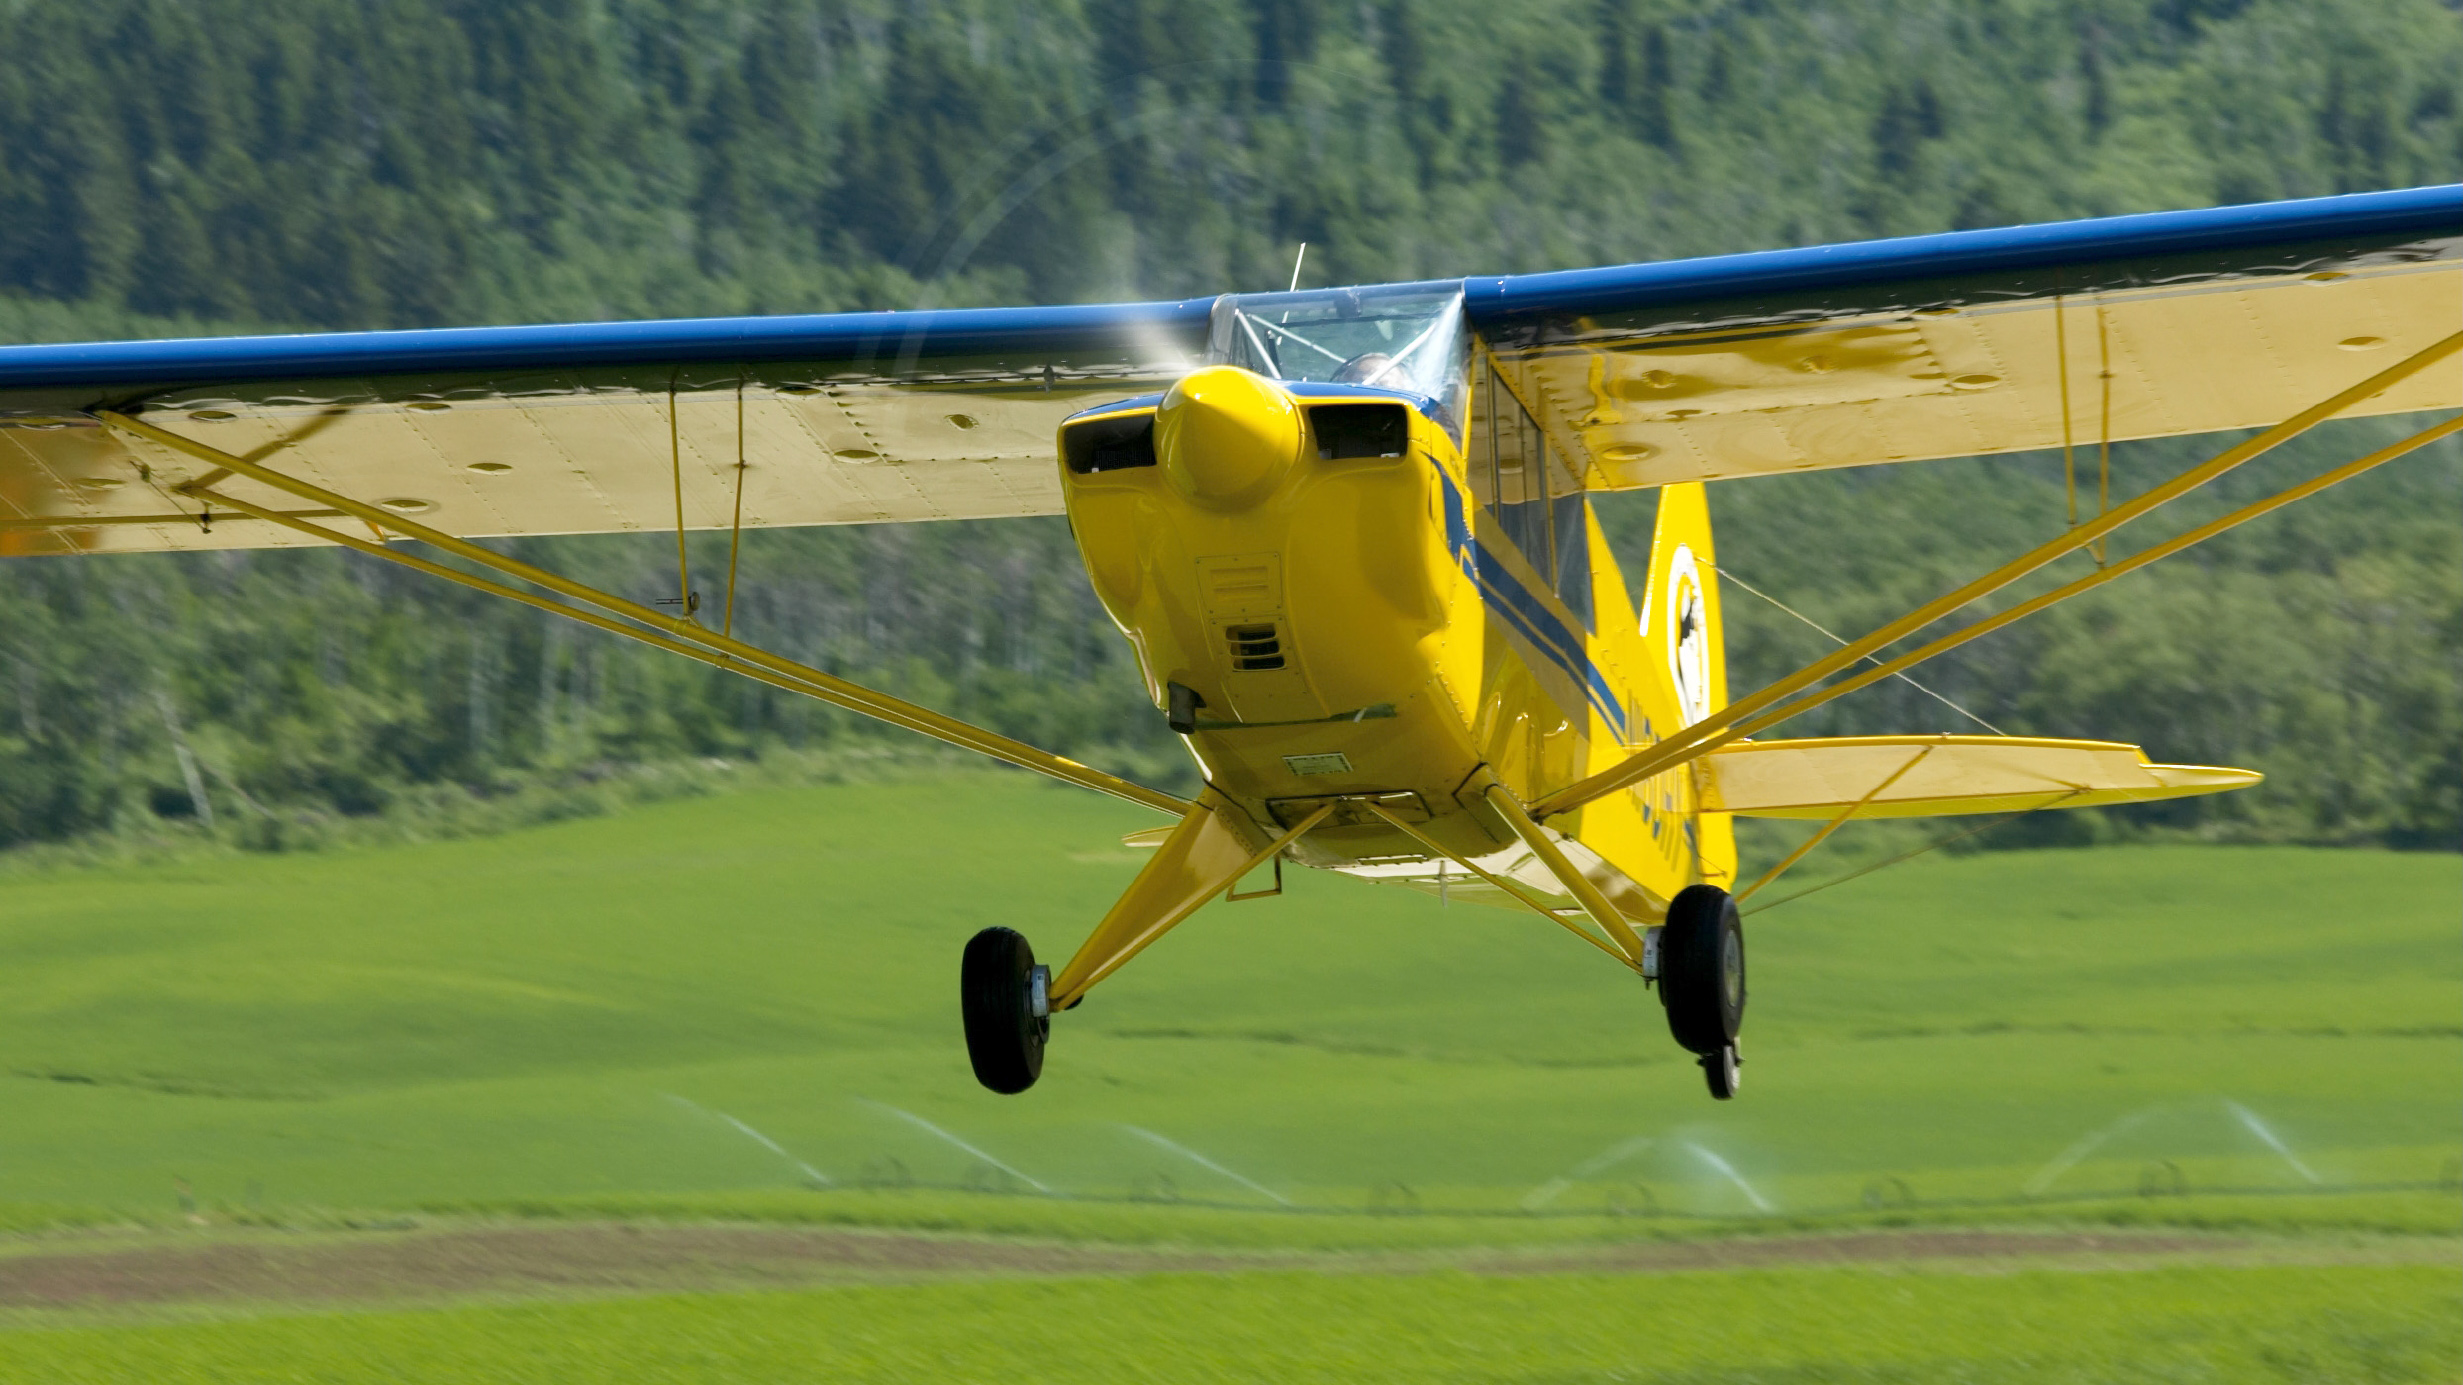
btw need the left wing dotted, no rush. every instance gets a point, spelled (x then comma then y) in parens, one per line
(1974, 342)
(586, 428)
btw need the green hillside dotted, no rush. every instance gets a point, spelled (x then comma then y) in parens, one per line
(746, 1004)
(184, 166)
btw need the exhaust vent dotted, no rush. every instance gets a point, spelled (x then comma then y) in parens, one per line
(1254, 647)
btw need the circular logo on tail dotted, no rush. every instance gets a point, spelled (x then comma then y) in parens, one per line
(1688, 635)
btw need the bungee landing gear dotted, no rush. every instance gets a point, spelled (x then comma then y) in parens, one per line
(1702, 980)
(1004, 997)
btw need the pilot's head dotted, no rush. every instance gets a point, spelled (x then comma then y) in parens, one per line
(1364, 369)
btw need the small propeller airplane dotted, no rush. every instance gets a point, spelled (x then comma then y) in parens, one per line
(1347, 531)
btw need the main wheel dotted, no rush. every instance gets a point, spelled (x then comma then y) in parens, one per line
(1004, 1035)
(1702, 969)
(1721, 1070)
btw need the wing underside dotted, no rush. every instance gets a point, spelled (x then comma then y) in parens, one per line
(2107, 335)
(483, 457)
(1935, 776)
(857, 428)
(1971, 343)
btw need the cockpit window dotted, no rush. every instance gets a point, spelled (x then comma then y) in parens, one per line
(1408, 338)
(1535, 494)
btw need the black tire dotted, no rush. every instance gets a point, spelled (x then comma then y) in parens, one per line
(1702, 969)
(1722, 1070)
(1004, 1036)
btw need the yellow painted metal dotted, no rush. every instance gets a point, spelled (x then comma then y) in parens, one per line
(822, 685)
(2191, 356)
(685, 601)
(1235, 894)
(735, 531)
(1504, 886)
(1203, 857)
(1950, 776)
(1575, 882)
(1837, 821)
(1700, 736)
(1391, 677)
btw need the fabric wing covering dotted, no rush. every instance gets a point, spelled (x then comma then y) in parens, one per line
(1983, 342)
(1974, 342)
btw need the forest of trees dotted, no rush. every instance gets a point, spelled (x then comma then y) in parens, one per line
(184, 166)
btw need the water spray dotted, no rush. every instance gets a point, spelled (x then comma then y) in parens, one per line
(2250, 1122)
(1547, 1192)
(1203, 1162)
(765, 1141)
(929, 1128)
(2063, 1161)
(1728, 1171)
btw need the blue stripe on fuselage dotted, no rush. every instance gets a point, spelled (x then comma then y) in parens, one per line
(1505, 595)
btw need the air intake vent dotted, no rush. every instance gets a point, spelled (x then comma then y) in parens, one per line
(1360, 430)
(1254, 646)
(1110, 444)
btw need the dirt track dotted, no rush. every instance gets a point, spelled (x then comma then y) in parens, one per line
(594, 1259)
(526, 1260)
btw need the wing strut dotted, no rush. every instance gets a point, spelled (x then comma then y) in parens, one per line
(676, 634)
(1805, 848)
(1510, 889)
(1742, 718)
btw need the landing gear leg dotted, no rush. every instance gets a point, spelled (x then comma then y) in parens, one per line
(1702, 980)
(1002, 994)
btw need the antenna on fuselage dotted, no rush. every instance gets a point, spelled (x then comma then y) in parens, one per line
(1296, 262)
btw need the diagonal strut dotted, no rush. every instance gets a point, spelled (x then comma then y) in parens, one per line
(1716, 729)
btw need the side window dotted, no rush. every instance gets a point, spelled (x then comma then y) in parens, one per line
(1481, 456)
(1521, 474)
(1572, 573)
(1538, 502)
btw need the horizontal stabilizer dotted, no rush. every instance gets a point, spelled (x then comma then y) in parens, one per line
(1937, 776)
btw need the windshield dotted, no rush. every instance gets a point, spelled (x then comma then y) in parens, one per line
(1403, 337)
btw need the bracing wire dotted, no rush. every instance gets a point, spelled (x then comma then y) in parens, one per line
(1911, 855)
(1729, 574)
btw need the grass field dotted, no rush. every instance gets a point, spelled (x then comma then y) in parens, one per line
(2173, 1327)
(741, 1009)
(614, 1007)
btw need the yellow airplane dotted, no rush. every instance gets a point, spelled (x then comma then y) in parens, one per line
(1347, 531)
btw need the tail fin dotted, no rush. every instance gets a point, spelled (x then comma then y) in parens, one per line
(1682, 635)
(1680, 606)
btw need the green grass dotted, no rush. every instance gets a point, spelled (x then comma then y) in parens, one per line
(1802, 1327)
(577, 1018)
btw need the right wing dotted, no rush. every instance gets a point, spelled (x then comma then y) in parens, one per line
(579, 428)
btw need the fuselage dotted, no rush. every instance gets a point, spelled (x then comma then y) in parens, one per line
(1345, 591)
